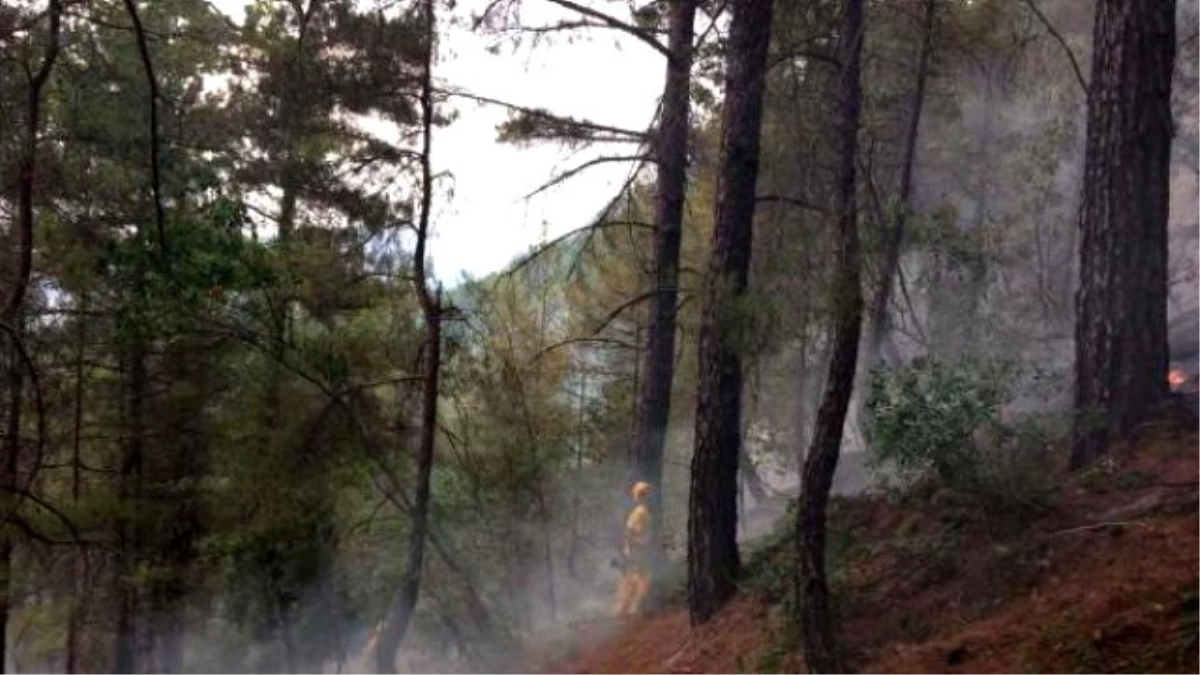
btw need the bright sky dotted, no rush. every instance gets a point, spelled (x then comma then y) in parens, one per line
(604, 76)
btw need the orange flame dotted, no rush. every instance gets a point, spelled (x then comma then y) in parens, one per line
(1176, 377)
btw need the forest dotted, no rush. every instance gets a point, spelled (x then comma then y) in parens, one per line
(876, 270)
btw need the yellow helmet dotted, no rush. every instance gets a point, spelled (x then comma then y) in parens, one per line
(640, 489)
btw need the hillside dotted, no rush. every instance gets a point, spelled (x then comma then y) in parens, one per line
(1100, 576)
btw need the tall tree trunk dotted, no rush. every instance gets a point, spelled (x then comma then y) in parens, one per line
(80, 580)
(972, 268)
(405, 603)
(880, 319)
(178, 552)
(817, 635)
(671, 154)
(280, 324)
(12, 310)
(577, 474)
(26, 179)
(15, 376)
(713, 563)
(129, 492)
(1121, 309)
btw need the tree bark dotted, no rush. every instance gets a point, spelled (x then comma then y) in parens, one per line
(817, 634)
(713, 562)
(405, 603)
(1121, 351)
(671, 153)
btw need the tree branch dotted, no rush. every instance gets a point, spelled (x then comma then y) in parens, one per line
(616, 23)
(1062, 42)
(791, 201)
(574, 171)
(616, 344)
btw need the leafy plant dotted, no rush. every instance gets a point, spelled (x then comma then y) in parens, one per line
(923, 417)
(942, 421)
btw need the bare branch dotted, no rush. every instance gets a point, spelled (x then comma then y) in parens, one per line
(600, 221)
(616, 344)
(1062, 42)
(48, 507)
(643, 35)
(620, 309)
(574, 171)
(791, 201)
(542, 113)
(712, 23)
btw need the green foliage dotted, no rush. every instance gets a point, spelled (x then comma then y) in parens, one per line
(206, 265)
(923, 417)
(942, 421)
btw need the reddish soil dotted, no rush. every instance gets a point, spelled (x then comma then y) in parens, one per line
(665, 643)
(1102, 580)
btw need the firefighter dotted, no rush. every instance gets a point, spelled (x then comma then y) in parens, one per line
(635, 554)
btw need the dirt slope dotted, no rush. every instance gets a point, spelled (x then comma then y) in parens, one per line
(1103, 580)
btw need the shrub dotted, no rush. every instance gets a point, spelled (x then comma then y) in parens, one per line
(940, 420)
(923, 417)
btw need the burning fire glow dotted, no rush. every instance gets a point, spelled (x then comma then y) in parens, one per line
(1176, 377)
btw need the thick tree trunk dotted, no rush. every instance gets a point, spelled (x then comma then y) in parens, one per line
(817, 634)
(713, 562)
(1121, 309)
(671, 153)
(405, 603)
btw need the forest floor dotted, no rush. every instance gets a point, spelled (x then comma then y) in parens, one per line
(1099, 576)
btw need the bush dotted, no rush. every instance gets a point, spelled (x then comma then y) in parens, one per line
(942, 420)
(923, 417)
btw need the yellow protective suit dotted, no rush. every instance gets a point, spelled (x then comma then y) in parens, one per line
(635, 580)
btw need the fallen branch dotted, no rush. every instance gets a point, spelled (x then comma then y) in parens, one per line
(1136, 512)
(1093, 526)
